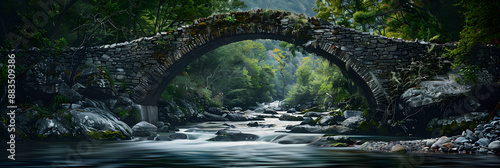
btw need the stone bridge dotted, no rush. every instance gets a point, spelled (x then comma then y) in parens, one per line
(146, 65)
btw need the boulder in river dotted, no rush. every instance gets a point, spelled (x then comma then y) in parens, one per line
(236, 117)
(333, 141)
(144, 129)
(494, 146)
(308, 121)
(178, 136)
(233, 135)
(352, 122)
(352, 113)
(270, 111)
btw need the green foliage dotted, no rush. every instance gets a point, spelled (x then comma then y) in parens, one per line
(411, 76)
(230, 19)
(42, 111)
(325, 85)
(233, 75)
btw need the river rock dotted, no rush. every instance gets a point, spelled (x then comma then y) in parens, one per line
(236, 117)
(306, 129)
(333, 141)
(69, 93)
(233, 135)
(352, 122)
(98, 119)
(214, 117)
(494, 146)
(288, 117)
(291, 110)
(308, 121)
(398, 149)
(440, 142)
(144, 129)
(236, 109)
(50, 127)
(253, 124)
(433, 92)
(313, 114)
(178, 136)
(462, 140)
(278, 109)
(162, 138)
(327, 120)
(293, 139)
(270, 111)
(352, 113)
(227, 131)
(215, 110)
(482, 142)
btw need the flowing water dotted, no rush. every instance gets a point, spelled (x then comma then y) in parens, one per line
(196, 151)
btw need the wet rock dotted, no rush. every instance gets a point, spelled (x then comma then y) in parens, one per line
(260, 110)
(144, 129)
(215, 110)
(462, 140)
(313, 114)
(293, 139)
(440, 142)
(50, 127)
(69, 93)
(278, 109)
(308, 121)
(94, 103)
(352, 122)
(433, 92)
(236, 109)
(253, 124)
(288, 117)
(291, 110)
(214, 117)
(270, 111)
(398, 149)
(227, 131)
(352, 113)
(483, 142)
(78, 87)
(333, 141)
(236, 117)
(306, 129)
(233, 135)
(178, 136)
(494, 146)
(99, 120)
(162, 138)
(327, 120)
(67, 106)
(447, 145)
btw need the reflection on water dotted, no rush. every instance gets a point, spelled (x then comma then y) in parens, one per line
(196, 152)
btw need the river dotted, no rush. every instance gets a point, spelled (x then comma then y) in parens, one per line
(197, 152)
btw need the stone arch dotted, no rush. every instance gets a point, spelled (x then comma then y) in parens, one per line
(339, 45)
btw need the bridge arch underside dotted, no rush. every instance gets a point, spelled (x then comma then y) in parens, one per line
(149, 90)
